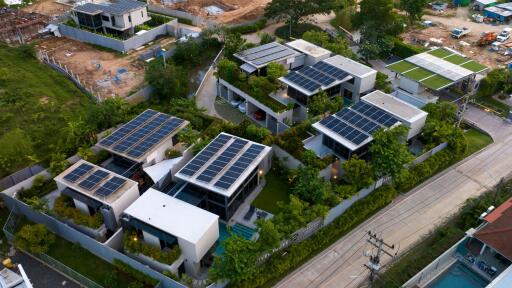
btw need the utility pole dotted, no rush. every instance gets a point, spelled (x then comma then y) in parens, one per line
(462, 108)
(382, 248)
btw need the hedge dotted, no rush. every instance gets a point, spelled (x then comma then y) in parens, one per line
(40, 188)
(185, 21)
(134, 245)
(251, 28)
(142, 277)
(63, 210)
(404, 50)
(281, 264)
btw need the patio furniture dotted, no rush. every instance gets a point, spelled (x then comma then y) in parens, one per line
(470, 258)
(492, 271)
(249, 213)
(261, 214)
(482, 265)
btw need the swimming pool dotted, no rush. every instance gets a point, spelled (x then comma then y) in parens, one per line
(224, 234)
(458, 276)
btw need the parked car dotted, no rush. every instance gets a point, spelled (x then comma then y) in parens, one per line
(504, 35)
(235, 102)
(242, 107)
(259, 115)
(457, 33)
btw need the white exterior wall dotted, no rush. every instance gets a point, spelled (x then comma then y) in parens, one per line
(415, 127)
(122, 21)
(409, 85)
(150, 239)
(159, 154)
(126, 199)
(82, 206)
(367, 82)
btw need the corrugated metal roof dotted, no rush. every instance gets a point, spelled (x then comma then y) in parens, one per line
(115, 7)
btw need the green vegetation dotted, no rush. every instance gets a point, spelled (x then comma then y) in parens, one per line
(133, 244)
(456, 59)
(440, 53)
(401, 66)
(404, 50)
(249, 28)
(37, 103)
(64, 208)
(418, 74)
(298, 30)
(474, 66)
(497, 82)
(337, 45)
(40, 188)
(436, 82)
(277, 189)
(476, 140)
(442, 238)
(34, 238)
(413, 8)
(171, 154)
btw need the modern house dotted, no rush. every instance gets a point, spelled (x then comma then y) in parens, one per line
(255, 60)
(223, 174)
(423, 76)
(500, 12)
(142, 143)
(312, 53)
(98, 190)
(482, 258)
(163, 221)
(117, 17)
(349, 131)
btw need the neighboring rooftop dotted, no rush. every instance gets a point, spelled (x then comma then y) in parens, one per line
(308, 48)
(116, 7)
(497, 233)
(138, 138)
(505, 12)
(353, 126)
(438, 68)
(260, 56)
(95, 182)
(224, 164)
(395, 106)
(172, 215)
(352, 67)
(11, 279)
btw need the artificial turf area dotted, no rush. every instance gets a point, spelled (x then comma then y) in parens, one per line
(401, 66)
(418, 74)
(474, 66)
(456, 59)
(276, 190)
(436, 82)
(440, 53)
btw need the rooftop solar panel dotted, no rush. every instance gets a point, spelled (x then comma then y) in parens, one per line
(331, 70)
(140, 133)
(302, 81)
(357, 120)
(205, 155)
(147, 144)
(274, 57)
(127, 128)
(234, 172)
(317, 76)
(222, 160)
(93, 180)
(111, 186)
(264, 53)
(78, 172)
(376, 114)
(259, 48)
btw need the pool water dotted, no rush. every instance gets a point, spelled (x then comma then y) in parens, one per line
(224, 234)
(458, 276)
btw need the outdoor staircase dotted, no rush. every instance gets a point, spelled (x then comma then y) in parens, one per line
(242, 230)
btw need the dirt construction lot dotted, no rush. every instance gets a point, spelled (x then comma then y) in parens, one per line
(439, 35)
(235, 11)
(47, 7)
(97, 68)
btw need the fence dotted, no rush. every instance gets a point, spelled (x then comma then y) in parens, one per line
(20, 176)
(428, 154)
(196, 20)
(209, 71)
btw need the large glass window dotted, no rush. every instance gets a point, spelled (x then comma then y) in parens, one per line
(299, 96)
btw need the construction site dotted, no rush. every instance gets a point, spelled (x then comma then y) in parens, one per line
(220, 11)
(18, 26)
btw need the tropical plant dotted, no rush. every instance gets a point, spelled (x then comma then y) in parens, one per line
(35, 238)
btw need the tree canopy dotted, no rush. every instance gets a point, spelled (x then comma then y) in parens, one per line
(295, 11)
(34, 238)
(389, 151)
(358, 172)
(168, 81)
(413, 8)
(308, 185)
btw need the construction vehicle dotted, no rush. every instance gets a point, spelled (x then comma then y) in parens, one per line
(487, 38)
(460, 32)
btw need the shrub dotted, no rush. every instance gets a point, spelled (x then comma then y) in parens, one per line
(142, 277)
(40, 188)
(63, 208)
(133, 244)
(34, 238)
(404, 50)
(171, 154)
(283, 32)
(251, 28)
(185, 21)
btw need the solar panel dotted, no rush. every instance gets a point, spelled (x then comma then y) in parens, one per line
(111, 186)
(359, 121)
(317, 76)
(165, 130)
(94, 179)
(127, 128)
(140, 133)
(239, 166)
(205, 155)
(346, 131)
(302, 81)
(274, 56)
(222, 160)
(378, 115)
(264, 53)
(78, 172)
(258, 49)
(331, 70)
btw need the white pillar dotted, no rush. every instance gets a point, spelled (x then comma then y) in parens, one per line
(483, 249)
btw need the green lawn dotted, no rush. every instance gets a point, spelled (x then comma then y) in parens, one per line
(277, 189)
(474, 66)
(436, 82)
(38, 100)
(476, 140)
(456, 59)
(401, 66)
(440, 53)
(418, 74)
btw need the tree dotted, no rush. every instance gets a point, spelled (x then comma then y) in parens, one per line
(238, 262)
(389, 151)
(270, 237)
(58, 163)
(34, 238)
(308, 186)
(358, 172)
(187, 109)
(382, 83)
(108, 113)
(168, 81)
(266, 38)
(338, 45)
(413, 8)
(228, 70)
(274, 71)
(296, 214)
(16, 148)
(78, 133)
(442, 111)
(321, 104)
(295, 11)
(188, 136)
(233, 44)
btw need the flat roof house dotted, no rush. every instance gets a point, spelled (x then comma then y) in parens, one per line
(434, 70)
(118, 17)
(98, 190)
(257, 58)
(162, 221)
(312, 53)
(349, 131)
(223, 174)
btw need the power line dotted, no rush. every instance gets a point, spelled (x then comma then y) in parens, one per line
(381, 248)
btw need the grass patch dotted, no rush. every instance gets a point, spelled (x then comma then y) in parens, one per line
(401, 66)
(456, 59)
(276, 190)
(436, 82)
(476, 141)
(418, 74)
(440, 53)
(283, 32)
(41, 102)
(474, 66)
(494, 104)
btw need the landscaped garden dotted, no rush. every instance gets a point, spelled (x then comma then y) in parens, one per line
(277, 189)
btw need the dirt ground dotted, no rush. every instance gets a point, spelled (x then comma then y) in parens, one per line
(235, 11)
(439, 35)
(47, 7)
(94, 66)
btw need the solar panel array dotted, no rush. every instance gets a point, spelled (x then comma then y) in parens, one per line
(111, 186)
(359, 122)
(232, 156)
(266, 53)
(95, 180)
(78, 172)
(314, 77)
(142, 133)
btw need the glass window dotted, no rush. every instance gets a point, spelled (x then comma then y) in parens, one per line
(105, 18)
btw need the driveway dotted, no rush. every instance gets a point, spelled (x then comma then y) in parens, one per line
(411, 216)
(205, 97)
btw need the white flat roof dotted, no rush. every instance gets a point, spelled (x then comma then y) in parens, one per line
(486, 2)
(355, 68)
(172, 215)
(308, 48)
(394, 106)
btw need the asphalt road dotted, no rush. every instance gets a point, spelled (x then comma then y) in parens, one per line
(414, 214)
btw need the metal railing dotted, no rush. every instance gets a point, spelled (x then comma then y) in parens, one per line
(55, 264)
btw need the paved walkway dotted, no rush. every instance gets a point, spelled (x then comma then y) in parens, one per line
(205, 98)
(412, 215)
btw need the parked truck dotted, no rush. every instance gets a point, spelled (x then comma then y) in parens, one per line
(487, 38)
(457, 33)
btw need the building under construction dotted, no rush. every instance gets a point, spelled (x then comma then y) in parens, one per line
(17, 26)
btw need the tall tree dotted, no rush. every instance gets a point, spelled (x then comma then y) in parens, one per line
(413, 8)
(358, 172)
(233, 43)
(308, 185)
(389, 151)
(168, 81)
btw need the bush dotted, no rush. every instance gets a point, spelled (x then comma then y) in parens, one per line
(133, 244)
(283, 32)
(34, 238)
(171, 154)
(404, 50)
(142, 277)
(251, 28)
(40, 187)
(157, 20)
(63, 208)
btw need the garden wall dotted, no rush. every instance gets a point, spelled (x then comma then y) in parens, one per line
(428, 154)
(288, 160)
(196, 20)
(20, 176)
(103, 251)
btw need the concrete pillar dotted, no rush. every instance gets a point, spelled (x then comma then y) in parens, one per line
(150, 239)
(192, 268)
(81, 206)
(483, 249)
